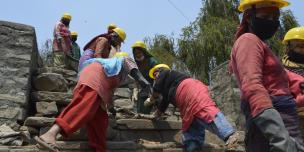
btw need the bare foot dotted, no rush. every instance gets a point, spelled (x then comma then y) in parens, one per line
(48, 137)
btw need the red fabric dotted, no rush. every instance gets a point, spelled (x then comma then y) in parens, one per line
(294, 85)
(258, 71)
(100, 44)
(94, 77)
(94, 39)
(193, 100)
(85, 111)
(63, 32)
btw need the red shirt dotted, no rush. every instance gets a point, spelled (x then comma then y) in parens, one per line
(294, 85)
(258, 71)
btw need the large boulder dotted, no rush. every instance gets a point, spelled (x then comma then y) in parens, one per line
(19, 57)
(50, 82)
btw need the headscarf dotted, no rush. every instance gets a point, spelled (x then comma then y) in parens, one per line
(106, 35)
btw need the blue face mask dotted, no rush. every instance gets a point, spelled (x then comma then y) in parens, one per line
(264, 28)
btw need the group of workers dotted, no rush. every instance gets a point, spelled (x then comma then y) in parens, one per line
(64, 43)
(271, 90)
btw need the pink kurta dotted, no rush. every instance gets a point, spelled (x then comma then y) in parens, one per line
(258, 72)
(62, 32)
(94, 77)
(193, 100)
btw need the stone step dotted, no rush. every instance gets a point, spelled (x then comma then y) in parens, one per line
(162, 131)
(79, 146)
(64, 72)
(144, 124)
(114, 146)
(39, 122)
(60, 98)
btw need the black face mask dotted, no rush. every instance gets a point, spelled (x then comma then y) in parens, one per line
(74, 39)
(295, 57)
(264, 28)
(66, 23)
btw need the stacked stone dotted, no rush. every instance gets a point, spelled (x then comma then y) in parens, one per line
(226, 94)
(18, 58)
(51, 93)
(53, 87)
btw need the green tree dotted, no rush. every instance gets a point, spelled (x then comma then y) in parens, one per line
(162, 48)
(210, 37)
(207, 41)
(45, 52)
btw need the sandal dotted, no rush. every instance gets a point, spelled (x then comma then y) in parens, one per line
(49, 146)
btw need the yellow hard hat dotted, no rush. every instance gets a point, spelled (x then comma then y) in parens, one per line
(151, 72)
(67, 16)
(294, 34)
(245, 4)
(112, 26)
(121, 54)
(74, 34)
(121, 33)
(139, 44)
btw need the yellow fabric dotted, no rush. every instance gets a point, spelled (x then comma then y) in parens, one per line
(294, 34)
(245, 4)
(121, 33)
(121, 54)
(67, 16)
(139, 44)
(151, 72)
(288, 63)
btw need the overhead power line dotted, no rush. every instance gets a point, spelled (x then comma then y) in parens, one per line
(179, 10)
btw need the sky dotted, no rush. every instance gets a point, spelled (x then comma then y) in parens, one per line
(139, 18)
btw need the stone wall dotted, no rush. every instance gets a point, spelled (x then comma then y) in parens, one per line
(18, 59)
(225, 92)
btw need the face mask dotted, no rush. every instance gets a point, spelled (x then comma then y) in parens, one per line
(115, 40)
(264, 28)
(295, 57)
(66, 23)
(74, 39)
(140, 59)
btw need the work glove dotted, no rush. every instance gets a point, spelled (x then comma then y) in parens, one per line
(272, 126)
